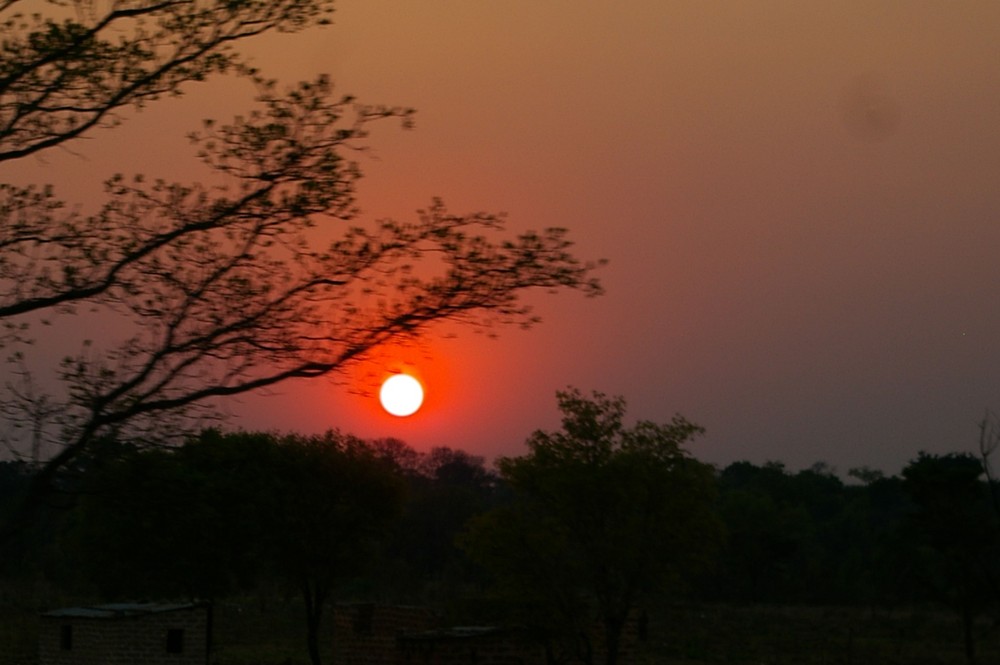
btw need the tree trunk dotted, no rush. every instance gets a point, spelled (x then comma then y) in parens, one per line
(968, 619)
(613, 627)
(315, 599)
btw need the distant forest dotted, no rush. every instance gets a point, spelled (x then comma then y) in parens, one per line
(334, 517)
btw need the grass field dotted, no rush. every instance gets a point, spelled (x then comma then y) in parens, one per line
(811, 636)
(255, 633)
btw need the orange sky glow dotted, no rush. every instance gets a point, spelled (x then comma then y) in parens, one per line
(799, 204)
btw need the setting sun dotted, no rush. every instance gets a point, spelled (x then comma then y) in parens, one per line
(401, 395)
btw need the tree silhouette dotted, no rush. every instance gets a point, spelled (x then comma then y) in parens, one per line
(449, 488)
(225, 511)
(209, 291)
(955, 534)
(70, 70)
(603, 516)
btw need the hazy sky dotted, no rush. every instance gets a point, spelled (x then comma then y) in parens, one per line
(798, 201)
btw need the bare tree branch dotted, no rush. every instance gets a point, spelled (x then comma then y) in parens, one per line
(989, 441)
(61, 78)
(211, 291)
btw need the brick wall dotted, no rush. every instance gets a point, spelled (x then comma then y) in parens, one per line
(365, 633)
(370, 634)
(96, 636)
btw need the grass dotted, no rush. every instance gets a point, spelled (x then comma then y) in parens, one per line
(810, 636)
(18, 637)
(252, 632)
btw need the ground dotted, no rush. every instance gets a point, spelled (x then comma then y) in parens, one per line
(255, 632)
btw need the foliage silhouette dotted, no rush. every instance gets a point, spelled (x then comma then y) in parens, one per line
(446, 488)
(227, 512)
(956, 533)
(603, 515)
(208, 520)
(213, 290)
(809, 538)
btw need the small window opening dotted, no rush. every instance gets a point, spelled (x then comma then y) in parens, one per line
(175, 640)
(66, 637)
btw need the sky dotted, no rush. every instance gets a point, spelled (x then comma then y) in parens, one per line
(798, 203)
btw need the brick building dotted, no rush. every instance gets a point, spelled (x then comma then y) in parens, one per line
(126, 634)
(372, 634)
(366, 633)
(469, 645)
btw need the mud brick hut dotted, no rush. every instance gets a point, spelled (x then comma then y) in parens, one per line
(374, 634)
(126, 634)
(367, 633)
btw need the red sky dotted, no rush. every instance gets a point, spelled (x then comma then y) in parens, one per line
(799, 203)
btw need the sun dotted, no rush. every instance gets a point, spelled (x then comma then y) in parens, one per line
(401, 395)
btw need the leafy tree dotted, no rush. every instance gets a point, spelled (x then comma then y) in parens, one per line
(763, 535)
(955, 532)
(603, 515)
(226, 511)
(865, 545)
(787, 536)
(72, 69)
(807, 537)
(446, 488)
(185, 522)
(333, 507)
(224, 288)
(14, 478)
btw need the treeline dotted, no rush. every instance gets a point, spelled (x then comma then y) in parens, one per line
(594, 521)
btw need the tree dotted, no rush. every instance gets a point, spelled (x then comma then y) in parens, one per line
(989, 441)
(70, 71)
(603, 515)
(186, 522)
(332, 509)
(765, 531)
(216, 289)
(14, 478)
(955, 534)
(226, 511)
(446, 489)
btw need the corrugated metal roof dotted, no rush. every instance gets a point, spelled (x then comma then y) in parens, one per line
(118, 610)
